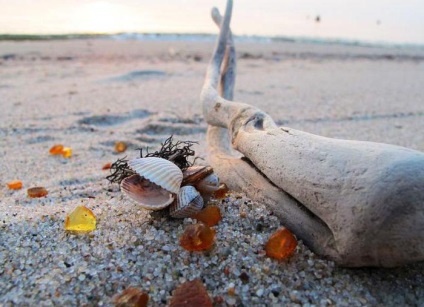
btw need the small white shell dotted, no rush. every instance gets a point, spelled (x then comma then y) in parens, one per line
(159, 171)
(189, 202)
(147, 194)
(208, 184)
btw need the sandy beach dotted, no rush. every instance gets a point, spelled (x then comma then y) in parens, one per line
(88, 94)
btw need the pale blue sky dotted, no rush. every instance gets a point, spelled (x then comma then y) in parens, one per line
(395, 21)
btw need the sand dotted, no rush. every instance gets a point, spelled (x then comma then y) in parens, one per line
(88, 94)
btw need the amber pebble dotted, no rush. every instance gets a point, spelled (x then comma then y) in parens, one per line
(37, 192)
(131, 297)
(221, 192)
(191, 293)
(81, 219)
(56, 149)
(211, 215)
(281, 245)
(120, 146)
(107, 166)
(14, 185)
(198, 237)
(67, 152)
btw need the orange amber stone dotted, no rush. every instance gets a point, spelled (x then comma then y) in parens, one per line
(120, 146)
(198, 237)
(56, 149)
(37, 192)
(14, 185)
(191, 293)
(107, 166)
(281, 245)
(211, 215)
(221, 192)
(67, 152)
(131, 297)
(81, 219)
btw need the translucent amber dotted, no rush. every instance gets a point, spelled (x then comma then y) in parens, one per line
(221, 192)
(120, 146)
(37, 192)
(56, 149)
(107, 166)
(131, 297)
(67, 152)
(81, 219)
(211, 215)
(191, 293)
(14, 185)
(198, 237)
(281, 245)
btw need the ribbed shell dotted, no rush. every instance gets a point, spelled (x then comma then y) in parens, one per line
(194, 174)
(159, 171)
(147, 194)
(208, 184)
(188, 202)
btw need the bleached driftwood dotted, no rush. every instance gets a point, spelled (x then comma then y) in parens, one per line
(357, 203)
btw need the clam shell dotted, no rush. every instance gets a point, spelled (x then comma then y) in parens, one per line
(194, 174)
(208, 185)
(159, 171)
(188, 202)
(147, 194)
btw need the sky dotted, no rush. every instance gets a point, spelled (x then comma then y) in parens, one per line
(390, 21)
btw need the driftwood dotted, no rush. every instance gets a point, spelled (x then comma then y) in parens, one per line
(357, 203)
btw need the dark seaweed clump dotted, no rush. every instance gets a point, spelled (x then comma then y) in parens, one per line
(177, 152)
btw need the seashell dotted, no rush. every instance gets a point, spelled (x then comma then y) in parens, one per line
(146, 193)
(188, 202)
(159, 171)
(194, 174)
(208, 185)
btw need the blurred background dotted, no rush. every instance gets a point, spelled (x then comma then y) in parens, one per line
(377, 21)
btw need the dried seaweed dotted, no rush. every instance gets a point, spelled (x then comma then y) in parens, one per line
(177, 152)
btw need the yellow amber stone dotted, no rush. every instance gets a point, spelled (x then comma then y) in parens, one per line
(120, 146)
(107, 166)
(14, 185)
(281, 245)
(198, 237)
(81, 219)
(36, 192)
(131, 297)
(211, 215)
(56, 149)
(67, 152)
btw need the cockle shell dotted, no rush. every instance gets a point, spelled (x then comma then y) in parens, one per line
(208, 185)
(188, 202)
(159, 171)
(147, 194)
(194, 174)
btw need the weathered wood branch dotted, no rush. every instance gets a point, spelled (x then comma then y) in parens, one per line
(358, 203)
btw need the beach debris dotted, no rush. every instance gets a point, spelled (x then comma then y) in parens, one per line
(37, 192)
(166, 178)
(56, 149)
(14, 185)
(190, 293)
(347, 200)
(211, 215)
(67, 152)
(188, 202)
(81, 219)
(106, 166)
(120, 147)
(197, 237)
(145, 193)
(131, 297)
(281, 245)
(59, 149)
